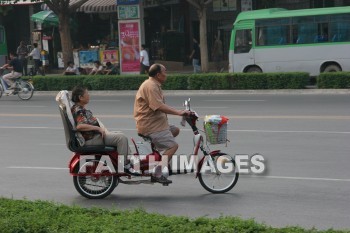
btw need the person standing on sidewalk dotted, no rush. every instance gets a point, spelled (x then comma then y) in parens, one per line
(195, 56)
(35, 54)
(144, 61)
(22, 52)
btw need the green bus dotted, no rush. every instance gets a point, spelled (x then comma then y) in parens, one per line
(280, 40)
(3, 46)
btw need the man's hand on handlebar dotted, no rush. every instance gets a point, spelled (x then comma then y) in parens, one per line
(185, 113)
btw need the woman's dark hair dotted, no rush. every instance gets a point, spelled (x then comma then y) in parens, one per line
(97, 62)
(154, 70)
(77, 92)
(69, 63)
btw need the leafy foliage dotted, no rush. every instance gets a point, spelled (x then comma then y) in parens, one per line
(205, 81)
(41, 217)
(334, 80)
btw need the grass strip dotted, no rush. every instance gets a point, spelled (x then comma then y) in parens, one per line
(21, 216)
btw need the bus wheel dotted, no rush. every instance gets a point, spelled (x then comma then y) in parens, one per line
(332, 68)
(254, 69)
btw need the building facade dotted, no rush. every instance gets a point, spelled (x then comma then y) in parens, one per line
(167, 26)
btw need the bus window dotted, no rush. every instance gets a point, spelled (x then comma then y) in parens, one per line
(306, 29)
(339, 28)
(322, 28)
(273, 32)
(243, 41)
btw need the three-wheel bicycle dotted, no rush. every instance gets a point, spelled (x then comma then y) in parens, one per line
(97, 170)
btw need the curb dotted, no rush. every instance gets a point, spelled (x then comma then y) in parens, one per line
(218, 92)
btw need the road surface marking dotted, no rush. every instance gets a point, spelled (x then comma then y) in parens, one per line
(38, 168)
(230, 130)
(127, 116)
(300, 178)
(235, 100)
(264, 177)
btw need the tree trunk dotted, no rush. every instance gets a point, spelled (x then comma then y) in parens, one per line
(202, 15)
(66, 40)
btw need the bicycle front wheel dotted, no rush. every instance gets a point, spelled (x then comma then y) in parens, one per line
(219, 174)
(26, 90)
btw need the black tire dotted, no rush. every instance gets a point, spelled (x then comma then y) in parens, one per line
(94, 187)
(332, 68)
(208, 178)
(26, 90)
(1, 90)
(254, 69)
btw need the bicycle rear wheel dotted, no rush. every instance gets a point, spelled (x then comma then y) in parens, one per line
(1, 90)
(220, 175)
(92, 185)
(26, 90)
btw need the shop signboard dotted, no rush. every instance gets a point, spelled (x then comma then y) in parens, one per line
(109, 56)
(60, 60)
(127, 2)
(87, 58)
(129, 12)
(155, 3)
(246, 5)
(129, 44)
(224, 5)
(62, 64)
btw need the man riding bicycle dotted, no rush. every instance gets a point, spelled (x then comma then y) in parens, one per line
(150, 113)
(16, 66)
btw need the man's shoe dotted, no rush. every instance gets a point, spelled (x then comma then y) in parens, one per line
(161, 180)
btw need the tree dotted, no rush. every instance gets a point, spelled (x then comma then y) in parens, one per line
(63, 10)
(201, 8)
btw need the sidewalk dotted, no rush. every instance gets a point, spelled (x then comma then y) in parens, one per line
(172, 68)
(190, 93)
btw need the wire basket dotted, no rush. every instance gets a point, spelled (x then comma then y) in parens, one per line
(215, 133)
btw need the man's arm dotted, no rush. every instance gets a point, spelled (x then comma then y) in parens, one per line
(191, 54)
(170, 110)
(141, 57)
(5, 66)
(87, 127)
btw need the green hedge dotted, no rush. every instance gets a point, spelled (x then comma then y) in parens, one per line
(39, 216)
(334, 80)
(209, 81)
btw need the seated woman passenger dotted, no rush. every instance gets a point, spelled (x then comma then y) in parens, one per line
(98, 68)
(71, 69)
(94, 133)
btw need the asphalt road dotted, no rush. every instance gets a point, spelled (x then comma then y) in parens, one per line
(305, 140)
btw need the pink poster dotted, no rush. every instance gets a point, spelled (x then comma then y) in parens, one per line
(129, 44)
(109, 56)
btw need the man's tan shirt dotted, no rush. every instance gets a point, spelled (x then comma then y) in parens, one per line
(147, 102)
